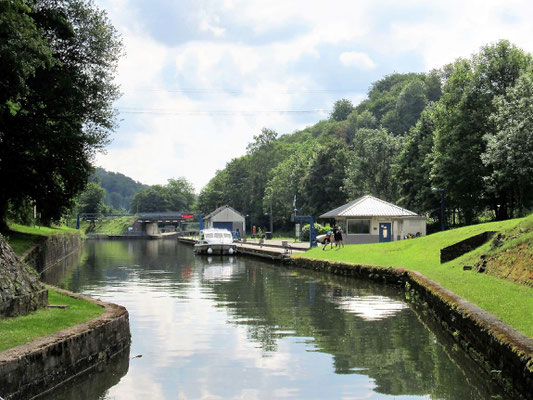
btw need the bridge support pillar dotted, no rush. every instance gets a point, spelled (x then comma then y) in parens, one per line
(151, 228)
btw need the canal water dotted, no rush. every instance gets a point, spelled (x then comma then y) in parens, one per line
(239, 328)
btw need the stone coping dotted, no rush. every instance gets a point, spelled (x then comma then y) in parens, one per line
(38, 366)
(503, 352)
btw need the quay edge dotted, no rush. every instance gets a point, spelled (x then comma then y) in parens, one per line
(505, 354)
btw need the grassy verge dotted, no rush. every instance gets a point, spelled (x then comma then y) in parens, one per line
(21, 237)
(20, 330)
(510, 302)
(108, 226)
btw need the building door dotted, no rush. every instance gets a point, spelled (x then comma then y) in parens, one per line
(223, 225)
(385, 233)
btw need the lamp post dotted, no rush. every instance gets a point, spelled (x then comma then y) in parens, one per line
(271, 222)
(249, 216)
(442, 206)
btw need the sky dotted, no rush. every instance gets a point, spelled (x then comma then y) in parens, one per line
(200, 78)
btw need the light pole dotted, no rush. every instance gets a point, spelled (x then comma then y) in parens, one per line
(250, 217)
(442, 206)
(271, 222)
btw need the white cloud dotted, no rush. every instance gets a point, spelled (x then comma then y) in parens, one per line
(356, 59)
(211, 23)
(278, 71)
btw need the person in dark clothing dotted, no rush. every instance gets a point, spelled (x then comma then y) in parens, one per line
(338, 237)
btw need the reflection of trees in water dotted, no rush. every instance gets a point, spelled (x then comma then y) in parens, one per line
(401, 354)
(397, 351)
(105, 262)
(95, 383)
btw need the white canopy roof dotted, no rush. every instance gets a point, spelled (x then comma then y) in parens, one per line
(368, 206)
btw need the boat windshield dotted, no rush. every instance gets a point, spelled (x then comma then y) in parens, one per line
(218, 235)
(209, 236)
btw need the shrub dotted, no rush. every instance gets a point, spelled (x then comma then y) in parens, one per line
(319, 230)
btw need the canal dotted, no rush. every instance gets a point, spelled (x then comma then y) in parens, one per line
(239, 328)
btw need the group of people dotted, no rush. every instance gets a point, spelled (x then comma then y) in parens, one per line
(333, 236)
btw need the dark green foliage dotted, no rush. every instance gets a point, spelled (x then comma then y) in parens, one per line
(285, 185)
(91, 200)
(510, 147)
(462, 119)
(409, 136)
(177, 195)
(341, 109)
(413, 167)
(322, 185)
(369, 170)
(243, 182)
(120, 189)
(319, 230)
(58, 109)
(398, 99)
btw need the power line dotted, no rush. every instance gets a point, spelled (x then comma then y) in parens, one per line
(155, 111)
(235, 91)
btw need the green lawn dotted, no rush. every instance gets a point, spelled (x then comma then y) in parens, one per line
(21, 237)
(510, 302)
(109, 226)
(20, 330)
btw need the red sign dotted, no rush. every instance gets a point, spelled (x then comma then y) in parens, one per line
(187, 216)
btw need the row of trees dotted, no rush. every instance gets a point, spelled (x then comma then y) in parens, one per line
(176, 195)
(58, 59)
(466, 128)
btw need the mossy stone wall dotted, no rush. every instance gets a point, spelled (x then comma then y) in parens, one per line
(503, 353)
(52, 250)
(20, 289)
(33, 368)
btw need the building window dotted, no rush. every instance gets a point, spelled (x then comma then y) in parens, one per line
(357, 226)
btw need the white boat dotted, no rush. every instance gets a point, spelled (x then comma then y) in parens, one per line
(215, 241)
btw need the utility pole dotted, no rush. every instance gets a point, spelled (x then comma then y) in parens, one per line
(271, 221)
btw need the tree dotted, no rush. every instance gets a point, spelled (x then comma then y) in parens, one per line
(120, 189)
(177, 195)
(153, 199)
(412, 169)
(509, 153)
(20, 58)
(341, 109)
(369, 170)
(63, 112)
(462, 119)
(180, 194)
(322, 185)
(91, 200)
(285, 184)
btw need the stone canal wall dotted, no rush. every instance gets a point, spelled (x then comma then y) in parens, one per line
(464, 246)
(38, 366)
(20, 290)
(504, 353)
(52, 250)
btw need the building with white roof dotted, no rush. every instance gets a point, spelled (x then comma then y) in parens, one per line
(371, 220)
(226, 217)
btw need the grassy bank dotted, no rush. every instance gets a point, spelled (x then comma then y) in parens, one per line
(510, 302)
(108, 226)
(20, 330)
(21, 237)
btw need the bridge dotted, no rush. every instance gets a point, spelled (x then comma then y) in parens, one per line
(149, 222)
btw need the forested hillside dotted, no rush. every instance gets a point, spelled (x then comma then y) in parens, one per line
(466, 129)
(119, 188)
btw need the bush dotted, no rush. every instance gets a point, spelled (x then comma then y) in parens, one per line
(319, 230)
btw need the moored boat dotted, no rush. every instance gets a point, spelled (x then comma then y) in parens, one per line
(215, 241)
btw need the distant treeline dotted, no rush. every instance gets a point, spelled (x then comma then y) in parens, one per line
(119, 188)
(466, 129)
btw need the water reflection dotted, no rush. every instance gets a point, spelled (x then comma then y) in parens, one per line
(369, 308)
(212, 327)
